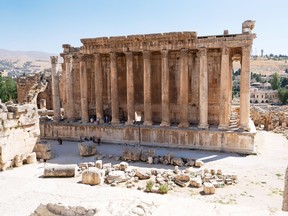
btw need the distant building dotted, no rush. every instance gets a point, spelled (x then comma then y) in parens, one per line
(263, 96)
(4, 73)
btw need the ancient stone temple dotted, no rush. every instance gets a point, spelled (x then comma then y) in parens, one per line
(170, 89)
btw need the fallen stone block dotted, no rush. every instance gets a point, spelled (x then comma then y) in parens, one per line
(98, 164)
(182, 177)
(31, 158)
(87, 149)
(196, 182)
(146, 154)
(141, 174)
(132, 154)
(177, 162)
(59, 170)
(208, 188)
(116, 176)
(198, 163)
(93, 176)
(123, 166)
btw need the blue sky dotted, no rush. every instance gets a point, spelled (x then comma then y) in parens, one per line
(44, 25)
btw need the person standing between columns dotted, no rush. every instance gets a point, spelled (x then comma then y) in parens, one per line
(69, 88)
(184, 89)
(114, 89)
(130, 88)
(147, 89)
(224, 90)
(245, 88)
(203, 90)
(98, 88)
(165, 89)
(84, 90)
(55, 88)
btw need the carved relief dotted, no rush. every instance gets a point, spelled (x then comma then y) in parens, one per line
(68, 58)
(164, 53)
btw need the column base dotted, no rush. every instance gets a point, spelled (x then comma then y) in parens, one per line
(129, 123)
(223, 127)
(245, 127)
(183, 124)
(203, 126)
(115, 122)
(148, 123)
(165, 124)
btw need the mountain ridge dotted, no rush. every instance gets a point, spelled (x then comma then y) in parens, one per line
(24, 55)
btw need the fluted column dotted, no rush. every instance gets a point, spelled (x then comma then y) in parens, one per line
(69, 110)
(184, 82)
(114, 89)
(84, 90)
(55, 89)
(245, 88)
(203, 90)
(130, 88)
(98, 87)
(165, 89)
(147, 89)
(224, 90)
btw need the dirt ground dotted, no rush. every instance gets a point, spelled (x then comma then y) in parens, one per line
(258, 192)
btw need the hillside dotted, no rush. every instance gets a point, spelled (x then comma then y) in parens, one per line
(21, 55)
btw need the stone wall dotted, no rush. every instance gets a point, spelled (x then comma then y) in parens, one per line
(19, 130)
(155, 136)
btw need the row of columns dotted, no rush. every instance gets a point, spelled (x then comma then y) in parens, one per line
(225, 89)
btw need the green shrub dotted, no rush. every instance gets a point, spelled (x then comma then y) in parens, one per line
(163, 189)
(149, 186)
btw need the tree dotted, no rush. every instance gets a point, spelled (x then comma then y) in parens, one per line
(275, 81)
(283, 95)
(284, 82)
(8, 89)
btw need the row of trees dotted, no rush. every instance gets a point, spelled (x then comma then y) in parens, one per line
(281, 85)
(8, 89)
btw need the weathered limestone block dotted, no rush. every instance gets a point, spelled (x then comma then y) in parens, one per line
(208, 188)
(196, 182)
(190, 163)
(57, 170)
(146, 154)
(198, 163)
(132, 154)
(177, 162)
(98, 164)
(58, 209)
(168, 157)
(44, 155)
(31, 158)
(182, 177)
(42, 147)
(93, 176)
(180, 183)
(123, 166)
(18, 160)
(141, 174)
(285, 194)
(87, 149)
(116, 176)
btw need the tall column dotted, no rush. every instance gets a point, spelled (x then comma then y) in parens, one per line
(55, 89)
(165, 89)
(203, 90)
(84, 90)
(114, 89)
(130, 88)
(69, 88)
(224, 90)
(245, 88)
(184, 83)
(98, 87)
(147, 89)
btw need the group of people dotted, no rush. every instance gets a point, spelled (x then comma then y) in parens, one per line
(93, 139)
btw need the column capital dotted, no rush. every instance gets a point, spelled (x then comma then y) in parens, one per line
(68, 58)
(97, 56)
(246, 50)
(202, 52)
(54, 59)
(225, 50)
(183, 52)
(113, 56)
(129, 54)
(164, 53)
(146, 54)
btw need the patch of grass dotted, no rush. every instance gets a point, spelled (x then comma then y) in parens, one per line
(149, 186)
(278, 175)
(163, 189)
(277, 191)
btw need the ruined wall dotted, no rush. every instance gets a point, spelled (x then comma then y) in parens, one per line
(19, 130)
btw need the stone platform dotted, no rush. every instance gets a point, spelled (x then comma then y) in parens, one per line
(190, 138)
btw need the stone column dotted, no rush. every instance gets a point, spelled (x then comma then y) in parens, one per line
(130, 88)
(55, 89)
(203, 90)
(69, 88)
(224, 90)
(184, 83)
(285, 194)
(147, 89)
(114, 89)
(98, 88)
(84, 90)
(165, 89)
(245, 88)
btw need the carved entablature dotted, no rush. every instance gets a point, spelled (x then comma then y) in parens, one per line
(54, 59)
(202, 52)
(164, 53)
(225, 51)
(113, 56)
(68, 58)
(146, 54)
(183, 53)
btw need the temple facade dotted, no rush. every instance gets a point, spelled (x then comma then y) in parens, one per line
(172, 82)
